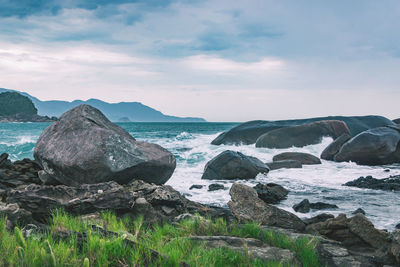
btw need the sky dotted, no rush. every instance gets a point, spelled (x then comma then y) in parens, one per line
(220, 60)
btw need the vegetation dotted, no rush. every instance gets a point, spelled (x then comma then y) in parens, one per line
(170, 240)
(12, 103)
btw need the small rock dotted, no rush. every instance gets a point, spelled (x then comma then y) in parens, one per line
(196, 186)
(319, 218)
(214, 187)
(271, 193)
(322, 206)
(397, 226)
(303, 206)
(386, 170)
(359, 210)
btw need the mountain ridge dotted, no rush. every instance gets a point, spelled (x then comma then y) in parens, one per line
(122, 111)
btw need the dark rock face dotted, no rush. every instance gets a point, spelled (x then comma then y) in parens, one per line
(360, 236)
(359, 210)
(195, 186)
(84, 147)
(377, 146)
(397, 121)
(248, 132)
(271, 193)
(303, 158)
(390, 184)
(302, 135)
(334, 147)
(4, 161)
(280, 164)
(215, 187)
(246, 206)
(232, 165)
(305, 206)
(18, 174)
(319, 218)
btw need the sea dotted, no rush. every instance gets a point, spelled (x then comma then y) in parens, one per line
(191, 145)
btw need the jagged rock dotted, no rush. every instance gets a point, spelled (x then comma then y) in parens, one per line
(390, 184)
(84, 147)
(303, 206)
(248, 132)
(303, 158)
(47, 179)
(232, 165)
(246, 206)
(19, 174)
(215, 187)
(319, 218)
(4, 161)
(254, 248)
(333, 148)
(271, 193)
(196, 186)
(15, 214)
(302, 135)
(359, 210)
(275, 165)
(377, 146)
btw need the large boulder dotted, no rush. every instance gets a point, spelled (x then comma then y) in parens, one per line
(230, 165)
(302, 135)
(247, 206)
(303, 158)
(248, 132)
(84, 147)
(333, 148)
(377, 146)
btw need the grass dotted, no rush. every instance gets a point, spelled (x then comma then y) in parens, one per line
(170, 240)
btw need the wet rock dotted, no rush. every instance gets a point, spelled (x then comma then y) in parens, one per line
(247, 206)
(377, 146)
(390, 184)
(254, 248)
(303, 158)
(84, 147)
(215, 187)
(196, 186)
(288, 164)
(319, 218)
(322, 206)
(271, 193)
(302, 135)
(333, 148)
(304, 206)
(397, 226)
(248, 132)
(232, 165)
(359, 210)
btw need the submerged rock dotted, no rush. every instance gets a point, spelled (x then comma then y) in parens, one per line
(377, 146)
(232, 165)
(271, 193)
(333, 148)
(280, 164)
(248, 132)
(247, 206)
(215, 187)
(390, 184)
(303, 158)
(84, 147)
(302, 135)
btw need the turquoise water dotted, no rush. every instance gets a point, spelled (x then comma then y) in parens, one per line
(190, 143)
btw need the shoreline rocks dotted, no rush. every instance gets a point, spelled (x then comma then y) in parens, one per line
(302, 135)
(389, 184)
(231, 165)
(84, 147)
(284, 164)
(271, 193)
(333, 148)
(303, 158)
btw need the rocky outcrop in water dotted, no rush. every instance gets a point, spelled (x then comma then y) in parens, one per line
(377, 146)
(247, 206)
(333, 148)
(84, 147)
(302, 135)
(231, 165)
(284, 164)
(303, 158)
(248, 132)
(271, 193)
(305, 206)
(389, 184)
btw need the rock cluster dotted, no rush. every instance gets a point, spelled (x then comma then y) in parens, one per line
(390, 184)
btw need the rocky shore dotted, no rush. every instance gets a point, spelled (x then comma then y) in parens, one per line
(85, 165)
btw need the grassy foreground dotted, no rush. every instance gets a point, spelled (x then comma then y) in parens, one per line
(171, 240)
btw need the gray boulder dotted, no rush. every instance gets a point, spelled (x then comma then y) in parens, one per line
(377, 146)
(248, 132)
(333, 148)
(247, 206)
(84, 147)
(271, 193)
(302, 135)
(230, 165)
(303, 158)
(287, 164)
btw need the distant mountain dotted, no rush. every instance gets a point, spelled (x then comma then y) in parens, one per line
(123, 111)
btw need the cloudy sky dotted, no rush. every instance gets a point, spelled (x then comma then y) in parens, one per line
(221, 60)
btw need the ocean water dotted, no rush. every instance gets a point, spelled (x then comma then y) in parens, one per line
(190, 143)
